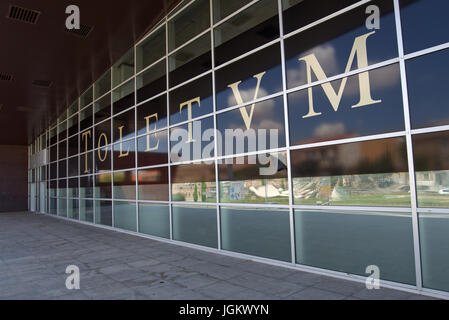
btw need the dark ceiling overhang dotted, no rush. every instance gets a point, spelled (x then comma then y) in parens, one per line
(46, 52)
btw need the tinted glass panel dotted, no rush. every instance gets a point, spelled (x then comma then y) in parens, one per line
(103, 85)
(102, 108)
(316, 114)
(103, 213)
(193, 183)
(62, 169)
(372, 173)
(125, 216)
(154, 220)
(325, 50)
(86, 98)
(86, 118)
(103, 159)
(102, 134)
(259, 232)
(247, 30)
(152, 115)
(72, 190)
(54, 153)
(349, 242)
(424, 23)
(153, 184)
(151, 49)
(86, 187)
(428, 89)
(124, 155)
(103, 186)
(123, 69)
(152, 82)
(73, 146)
(124, 125)
(223, 8)
(73, 209)
(62, 149)
(62, 208)
(73, 125)
(86, 140)
(197, 225)
(73, 166)
(248, 79)
(431, 155)
(125, 185)
(86, 210)
(123, 97)
(152, 149)
(86, 163)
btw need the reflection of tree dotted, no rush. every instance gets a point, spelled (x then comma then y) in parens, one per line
(195, 193)
(203, 191)
(383, 164)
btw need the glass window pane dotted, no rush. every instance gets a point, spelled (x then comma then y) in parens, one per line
(86, 118)
(325, 50)
(103, 159)
(62, 150)
(223, 8)
(123, 69)
(152, 149)
(123, 97)
(247, 30)
(125, 185)
(62, 208)
(62, 169)
(86, 163)
(154, 220)
(193, 183)
(102, 108)
(259, 73)
(260, 232)
(72, 190)
(73, 166)
(102, 134)
(188, 23)
(103, 186)
(434, 248)
(299, 13)
(152, 81)
(372, 173)
(73, 125)
(86, 187)
(53, 204)
(428, 89)
(431, 155)
(195, 224)
(190, 61)
(86, 98)
(191, 100)
(151, 49)
(424, 23)
(73, 209)
(73, 108)
(87, 210)
(153, 184)
(125, 216)
(252, 128)
(62, 131)
(62, 188)
(124, 155)
(73, 146)
(124, 126)
(316, 115)
(86, 140)
(152, 115)
(103, 213)
(350, 242)
(103, 84)
(254, 179)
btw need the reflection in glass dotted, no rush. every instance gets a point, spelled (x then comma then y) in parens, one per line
(125, 215)
(86, 118)
(254, 179)
(330, 45)
(195, 224)
(434, 240)
(73, 166)
(193, 183)
(254, 77)
(191, 100)
(62, 131)
(152, 115)
(62, 208)
(246, 31)
(123, 97)
(123, 69)
(190, 61)
(124, 155)
(73, 209)
(62, 169)
(102, 134)
(154, 220)
(72, 190)
(86, 98)
(125, 185)
(428, 89)
(86, 187)
(151, 49)
(153, 184)
(86, 210)
(314, 118)
(259, 232)
(103, 213)
(189, 23)
(73, 146)
(54, 153)
(151, 82)
(53, 204)
(265, 121)
(299, 13)
(124, 126)
(152, 149)
(431, 155)
(372, 173)
(223, 8)
(103, 84)
(103, 159)
(424, 23)
(86, 163)
(62, 188)
(62, 150)
(102, 109)
(103, 186)
(350, 241)
(72, 124)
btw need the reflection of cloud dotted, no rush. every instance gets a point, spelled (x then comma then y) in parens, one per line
(327, 58)
(247, 95)
(329, 129)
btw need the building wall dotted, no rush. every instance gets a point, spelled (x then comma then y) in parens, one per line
(13, 178)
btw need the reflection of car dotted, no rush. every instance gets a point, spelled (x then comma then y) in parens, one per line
(443, 191)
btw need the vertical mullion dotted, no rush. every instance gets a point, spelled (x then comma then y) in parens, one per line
(167, 69)
(287, 135)
(217, 182)
(112, 147)
(411, 167)
(136, 153)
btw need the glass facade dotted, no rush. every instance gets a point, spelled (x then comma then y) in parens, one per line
(278, 129)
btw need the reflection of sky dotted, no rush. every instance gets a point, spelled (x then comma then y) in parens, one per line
(333, 55)
(386, 116)
(428, 89)
(424, 24)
